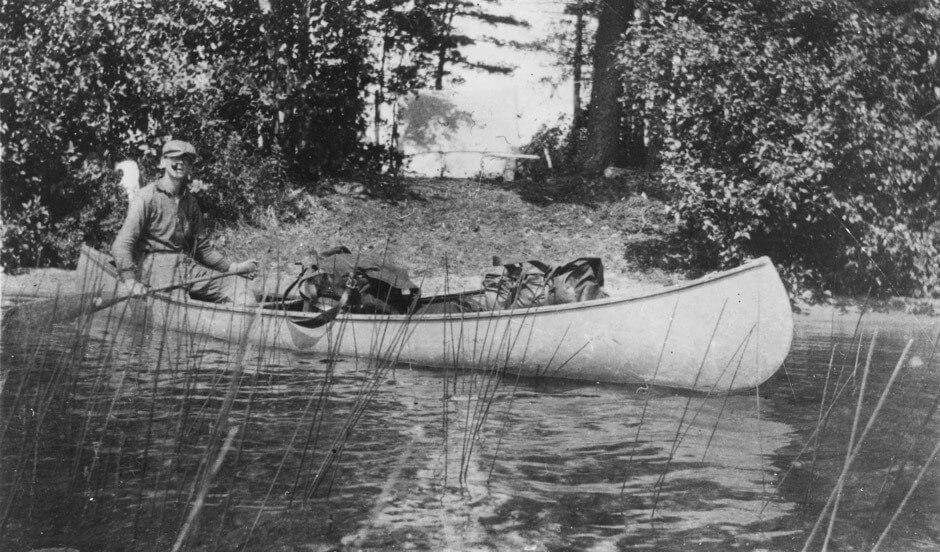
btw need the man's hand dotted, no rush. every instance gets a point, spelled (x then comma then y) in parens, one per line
(247, 269)
(132, 288)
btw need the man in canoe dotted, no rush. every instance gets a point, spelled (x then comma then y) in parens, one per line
(162, 240)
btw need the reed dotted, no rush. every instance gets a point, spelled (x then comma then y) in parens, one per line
(856, 448)
(734, 376)
(907, 497)
(173, 431)
(819, 421)
(204, 489)
(814, 435)
(848, 452)
(685, 410)
(221, 425)
(899, 462)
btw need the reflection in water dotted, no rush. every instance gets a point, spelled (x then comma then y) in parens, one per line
(109, 429)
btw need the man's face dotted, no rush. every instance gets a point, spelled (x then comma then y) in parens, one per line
(180, 167)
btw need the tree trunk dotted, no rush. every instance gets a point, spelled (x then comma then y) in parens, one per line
(439, 71)
(604, 146)
(380, 91)
(576, 62)
(447, 29)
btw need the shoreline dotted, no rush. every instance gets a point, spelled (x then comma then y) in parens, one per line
(47, 283)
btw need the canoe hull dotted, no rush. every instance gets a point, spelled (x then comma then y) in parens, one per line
(722, 334)
(176, 312)
(726, 332)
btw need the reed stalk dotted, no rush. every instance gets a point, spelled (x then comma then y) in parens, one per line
(280, 467)
(848, 451)
(488, 395)
(383, 361)
(899, 467)
(734, 375)
(204, 489)
(907, 496)
(677, 440)
(858, 444)
(207, 473)
(816, 431)
(313, 432)
(502, 432)
(925, 424)
(819, 421)
(149, 433)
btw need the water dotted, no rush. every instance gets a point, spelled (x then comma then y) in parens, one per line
(109, 429)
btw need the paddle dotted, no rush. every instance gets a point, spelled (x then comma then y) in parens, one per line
(324, 317)
(67, 307)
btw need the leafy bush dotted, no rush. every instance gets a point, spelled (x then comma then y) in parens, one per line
(32, 237)
(236, 184)
(24, 235)
(263, 95)
(807, 130)
(561, 145)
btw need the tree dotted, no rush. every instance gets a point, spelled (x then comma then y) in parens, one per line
(445, 41)
(807, 130)
(605, 124)
(570, 43)
(577, 63)
(267, 89)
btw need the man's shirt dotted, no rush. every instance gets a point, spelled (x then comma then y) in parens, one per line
(159, 223)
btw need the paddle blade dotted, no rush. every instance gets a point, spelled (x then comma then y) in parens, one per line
(60, 309)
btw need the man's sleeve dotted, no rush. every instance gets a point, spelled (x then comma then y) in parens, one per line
(126, 241)
(202, 251)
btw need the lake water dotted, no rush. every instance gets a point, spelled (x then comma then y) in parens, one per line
(114, 433)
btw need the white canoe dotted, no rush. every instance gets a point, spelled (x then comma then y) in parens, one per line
(725, 332)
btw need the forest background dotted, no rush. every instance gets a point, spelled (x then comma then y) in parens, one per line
(807, 130)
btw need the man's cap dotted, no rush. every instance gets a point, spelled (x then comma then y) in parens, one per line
(177, 148)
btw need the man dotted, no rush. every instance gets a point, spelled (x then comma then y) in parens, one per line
(162, 241)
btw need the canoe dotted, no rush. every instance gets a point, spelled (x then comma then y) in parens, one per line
(725, 332)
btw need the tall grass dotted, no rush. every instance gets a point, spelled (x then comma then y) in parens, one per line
(117, 435)
(147, 425)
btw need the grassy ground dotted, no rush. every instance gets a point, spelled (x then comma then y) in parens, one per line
(454, 228)
(447, 232)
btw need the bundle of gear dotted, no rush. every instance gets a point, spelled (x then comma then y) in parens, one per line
(376, 286)
(533, 283)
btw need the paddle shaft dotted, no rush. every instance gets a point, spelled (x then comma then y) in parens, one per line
(101, 304)
(195, 281)
(66, 308)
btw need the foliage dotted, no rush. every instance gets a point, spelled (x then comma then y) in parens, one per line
(560, 42)
(32, 237)
(560, 143)
(443, 41)
(234, 183)
(807, 130)
(570, 44)
(270, 93)
(24, 235)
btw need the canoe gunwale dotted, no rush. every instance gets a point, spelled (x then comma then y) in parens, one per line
(100, 260)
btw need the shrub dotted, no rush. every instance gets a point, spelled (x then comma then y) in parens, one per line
(806, 130)
(561, 145)
(25, 235)
(262, 95)
(236, 184)
(33, 236)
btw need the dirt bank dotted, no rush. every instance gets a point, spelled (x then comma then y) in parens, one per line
(446, 232)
